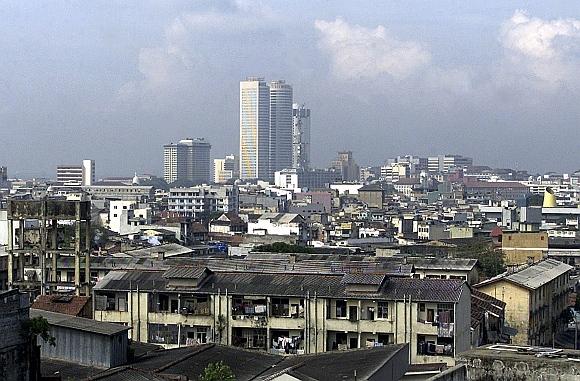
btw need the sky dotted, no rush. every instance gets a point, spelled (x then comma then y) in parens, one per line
(115, 80)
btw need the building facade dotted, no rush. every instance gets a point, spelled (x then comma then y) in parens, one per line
(292, 313)
(76, 175)
(536, 299)
(225, 169)
(188, 160)
(443, 163)
(281, 120)
(202, 200)
(300, 136)
(254, 128)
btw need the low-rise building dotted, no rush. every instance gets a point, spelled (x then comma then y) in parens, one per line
(202, 200)
(520, 248)
(281, 224)
(536, 298)
(289, 312)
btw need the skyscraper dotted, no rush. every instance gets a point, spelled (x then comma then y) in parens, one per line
(300, 136)
(254, 128)
(280, 126)
(188, 161)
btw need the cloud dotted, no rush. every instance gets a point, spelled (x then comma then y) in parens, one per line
(188, 49)
(543, 50)
(359, 52)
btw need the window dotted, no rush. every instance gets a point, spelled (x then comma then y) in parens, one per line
(383, 310)
(341, 308)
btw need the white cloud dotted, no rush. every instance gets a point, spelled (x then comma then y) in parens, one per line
(172, 66)
(359, 52)
(542, 50)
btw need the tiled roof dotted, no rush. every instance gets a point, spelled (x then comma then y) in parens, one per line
(69, 305)
(290, 284)
(365, 279)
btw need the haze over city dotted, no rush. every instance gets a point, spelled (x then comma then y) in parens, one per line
(495, 80)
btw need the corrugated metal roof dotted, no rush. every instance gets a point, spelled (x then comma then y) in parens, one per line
(532, 276)
(78, 323)
(191, 272)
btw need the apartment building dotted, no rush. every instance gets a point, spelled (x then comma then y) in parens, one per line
(289, 312)
(536, 298)
(202, 200)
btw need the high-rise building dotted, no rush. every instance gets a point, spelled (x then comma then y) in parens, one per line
(188, 161)
(280, 126)
(225, 169)
(254, 128)
(347, 166)
(3, 175)
(300, 137)
(76, 175)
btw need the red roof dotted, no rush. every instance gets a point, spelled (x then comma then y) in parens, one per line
(496, 232)
(64, 304)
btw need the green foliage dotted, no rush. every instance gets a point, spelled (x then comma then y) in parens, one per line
(217, 371)
(490, 262)
(38, 326)
(281, 247)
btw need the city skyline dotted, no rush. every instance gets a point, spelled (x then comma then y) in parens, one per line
(479, 81)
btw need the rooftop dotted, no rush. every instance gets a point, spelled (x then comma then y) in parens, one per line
(78, 323)
(532, 276)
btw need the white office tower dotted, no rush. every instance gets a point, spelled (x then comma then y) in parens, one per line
(280, 126)
(254, 128)
(76, 175)
(187, 161)
(88, 172)
(300, 137)
(225, 169)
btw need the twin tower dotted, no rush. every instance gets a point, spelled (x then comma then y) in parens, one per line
(274, 132)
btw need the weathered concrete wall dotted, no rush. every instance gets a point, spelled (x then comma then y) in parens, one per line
(14, 345)
(457, 373)
(499, 367)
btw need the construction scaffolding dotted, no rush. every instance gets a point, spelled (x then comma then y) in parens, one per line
(39, 232)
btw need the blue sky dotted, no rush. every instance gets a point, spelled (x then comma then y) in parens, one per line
(114, 81)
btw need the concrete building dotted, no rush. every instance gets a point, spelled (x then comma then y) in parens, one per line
(18, 361)
(298, 313)
(225, 169)
(281, 123)
(347, 166)
(374, 195)
(300, 136)
(3, 176)
(84, 341)
(128, 217)
(444, 163)
(521, 248)
(138, 193)
(293, 178)
(254, 128)
(280, 224)
(202, 200)
(39, 245)
(536, 297)
(187, 161)
(76, 175)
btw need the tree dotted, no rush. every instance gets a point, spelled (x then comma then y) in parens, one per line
(217, 371)
(38, 326)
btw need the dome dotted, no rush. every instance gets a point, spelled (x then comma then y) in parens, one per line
(135, 179)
